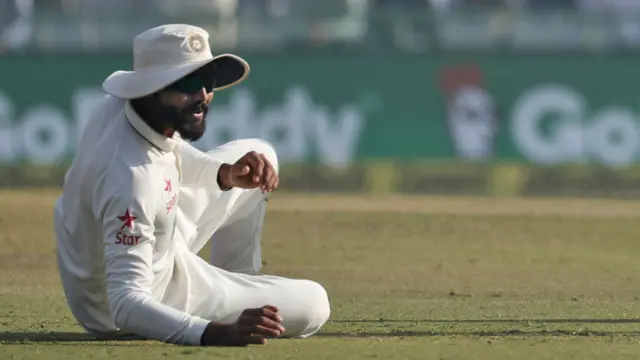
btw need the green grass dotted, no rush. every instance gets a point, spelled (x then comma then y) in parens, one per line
(408, 278)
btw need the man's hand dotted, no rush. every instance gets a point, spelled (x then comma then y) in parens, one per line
(251, 171)
(253, 326)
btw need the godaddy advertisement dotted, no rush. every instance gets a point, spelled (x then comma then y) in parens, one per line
(338, 110)
(45, 134)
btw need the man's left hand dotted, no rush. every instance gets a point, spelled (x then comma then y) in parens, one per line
(251, 171)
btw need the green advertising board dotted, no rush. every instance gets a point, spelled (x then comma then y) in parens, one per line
(339, 109)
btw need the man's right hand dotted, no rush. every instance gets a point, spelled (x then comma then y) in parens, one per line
(251, 171)
(253, 326)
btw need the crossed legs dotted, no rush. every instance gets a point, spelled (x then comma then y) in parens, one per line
(229, 284)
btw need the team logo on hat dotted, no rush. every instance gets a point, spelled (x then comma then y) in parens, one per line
(196, 42)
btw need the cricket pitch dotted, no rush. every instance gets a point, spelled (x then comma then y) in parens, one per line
(408, 278)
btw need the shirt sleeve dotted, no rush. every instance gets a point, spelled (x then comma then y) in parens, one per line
(198, 168)
(126, 206)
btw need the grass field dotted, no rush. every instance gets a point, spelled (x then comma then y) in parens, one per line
(409, 278)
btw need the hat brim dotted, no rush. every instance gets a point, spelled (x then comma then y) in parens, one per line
(230, 70)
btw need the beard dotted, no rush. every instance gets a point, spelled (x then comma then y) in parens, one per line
(185, 121)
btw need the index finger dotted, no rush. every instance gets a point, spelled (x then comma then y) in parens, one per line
(257, 165)
(271, 312)
(268, 311)
(271, 307)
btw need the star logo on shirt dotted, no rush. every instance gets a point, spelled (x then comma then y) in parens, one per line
(167, 185)
(127, 220)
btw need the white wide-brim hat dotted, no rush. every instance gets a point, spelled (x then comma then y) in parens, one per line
(167, 53)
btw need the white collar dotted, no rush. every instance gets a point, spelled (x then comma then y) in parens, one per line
(162, 142)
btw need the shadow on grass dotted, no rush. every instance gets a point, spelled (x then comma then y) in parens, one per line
(518, 333)
(60, 337)
(491, 321)
(483, 333)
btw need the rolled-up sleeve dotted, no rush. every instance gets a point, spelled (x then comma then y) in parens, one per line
(126, 207)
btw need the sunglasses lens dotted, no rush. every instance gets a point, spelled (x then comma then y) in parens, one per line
(192, 84)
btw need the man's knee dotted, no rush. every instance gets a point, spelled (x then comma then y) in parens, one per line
(321, 310)
(317, 311)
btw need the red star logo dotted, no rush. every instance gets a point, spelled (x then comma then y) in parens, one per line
(168, 185)
(127, 220)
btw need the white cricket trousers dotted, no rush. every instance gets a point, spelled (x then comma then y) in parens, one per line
(233, 221)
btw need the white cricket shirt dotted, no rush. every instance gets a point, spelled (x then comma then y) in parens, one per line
(115, 224)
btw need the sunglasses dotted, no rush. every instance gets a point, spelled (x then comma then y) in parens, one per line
(194, 83)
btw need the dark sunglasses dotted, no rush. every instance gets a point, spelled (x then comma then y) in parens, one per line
(194, 83)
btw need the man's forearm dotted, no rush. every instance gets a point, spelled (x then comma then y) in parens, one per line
(198, 168)
(140, 314)
(201, 170)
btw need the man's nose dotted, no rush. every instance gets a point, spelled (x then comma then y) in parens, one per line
(201, 95)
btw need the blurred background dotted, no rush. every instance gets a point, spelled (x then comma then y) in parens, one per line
(451, 97)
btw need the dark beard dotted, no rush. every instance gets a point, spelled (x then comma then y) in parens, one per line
(182, 120)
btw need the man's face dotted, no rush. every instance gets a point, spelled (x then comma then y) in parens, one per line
(184, 104)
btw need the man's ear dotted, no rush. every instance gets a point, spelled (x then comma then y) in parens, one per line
(159, 96)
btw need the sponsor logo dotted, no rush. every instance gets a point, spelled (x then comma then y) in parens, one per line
(167, 186)
(554, 123)
(127, 239)
(127, 220)
(171, 203)
(299, 127)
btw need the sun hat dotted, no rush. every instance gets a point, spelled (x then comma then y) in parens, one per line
(167, 53)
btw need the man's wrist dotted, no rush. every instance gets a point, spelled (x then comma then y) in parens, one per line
(223, 177)
(215, 335)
